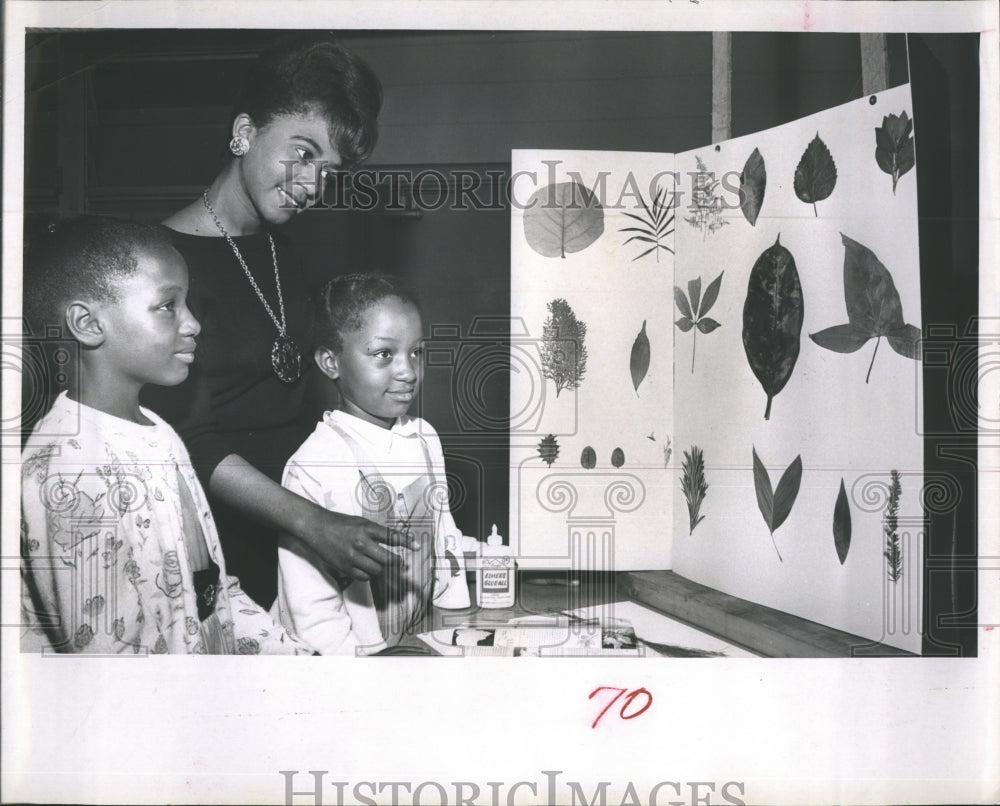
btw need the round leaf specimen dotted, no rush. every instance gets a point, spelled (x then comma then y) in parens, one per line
(562, 218)
(617, 457)
(772, 319)
(588, 459)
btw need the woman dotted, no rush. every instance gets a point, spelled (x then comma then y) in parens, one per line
(308, 107)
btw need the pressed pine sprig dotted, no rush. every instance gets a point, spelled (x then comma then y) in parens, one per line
(893, 552)
(693, 484)
(657, 223)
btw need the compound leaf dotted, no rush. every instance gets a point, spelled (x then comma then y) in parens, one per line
(562, 218)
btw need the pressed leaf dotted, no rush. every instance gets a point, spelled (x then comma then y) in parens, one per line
(656, 224)
(711, 295)
(564, 353)
(816, 173)
(762, 486)
(693, 483)
(699, 306)
(694, 292)
(873, 308)
(753, 182)
(617, 457)
(894, 146)
(639, 360)
(588, 459)
(842, 524)
(772, 320)
(841, 338)
(775, 506)
(562, 218)
(548, 449)
(786, 492)
(905, 340)
(682, 303)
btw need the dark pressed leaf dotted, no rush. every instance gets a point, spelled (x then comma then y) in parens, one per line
(617, 457)
(682, 303)
(894, 146)
(873, 308)
(707, 325)
(684, 324)
(548, 449)
(905, 341)
(694, 484)
(588, 458)
(842, 524)
(762, 486)
(639, 360)
(816, 173)
(711, 294)
(841, 338)
(753, 182)
(562, 218)
(872, 300)
(694, 292)
(786, 491)
(772, 320)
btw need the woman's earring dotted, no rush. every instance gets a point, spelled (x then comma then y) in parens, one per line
(239, 146)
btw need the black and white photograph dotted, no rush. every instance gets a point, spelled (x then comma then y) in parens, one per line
(654, 341)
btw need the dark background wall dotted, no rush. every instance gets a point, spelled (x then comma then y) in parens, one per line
(134, 123)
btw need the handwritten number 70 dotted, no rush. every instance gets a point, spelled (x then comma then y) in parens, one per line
(630, 697)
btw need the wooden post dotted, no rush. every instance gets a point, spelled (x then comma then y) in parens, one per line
(722, 86)
(874, 64)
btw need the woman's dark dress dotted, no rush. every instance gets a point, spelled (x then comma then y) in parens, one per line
(232, 402)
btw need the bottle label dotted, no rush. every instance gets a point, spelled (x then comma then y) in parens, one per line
(496, 580)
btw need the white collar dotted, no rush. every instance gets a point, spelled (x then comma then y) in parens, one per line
(404, 426)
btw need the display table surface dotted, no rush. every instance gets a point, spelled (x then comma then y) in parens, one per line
(665, 609)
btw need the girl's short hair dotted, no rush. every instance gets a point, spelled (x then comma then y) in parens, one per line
(341, 302)
(303, 72)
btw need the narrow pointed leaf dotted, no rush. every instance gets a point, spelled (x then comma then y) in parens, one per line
(682, 303)
(685, 324)
(842, 524)
(694, 293)
(816, 173)
(639, 360)
(762, 486)
(905, 341)
(707, 325)
(772, 320)
(711, 295)
(753, 182)
(786, 492)
(841, 338)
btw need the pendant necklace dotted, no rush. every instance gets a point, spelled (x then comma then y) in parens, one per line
(285, 356)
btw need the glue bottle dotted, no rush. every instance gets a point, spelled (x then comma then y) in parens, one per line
(496, 573)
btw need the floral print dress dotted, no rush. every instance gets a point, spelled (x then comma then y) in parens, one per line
(111, 514)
